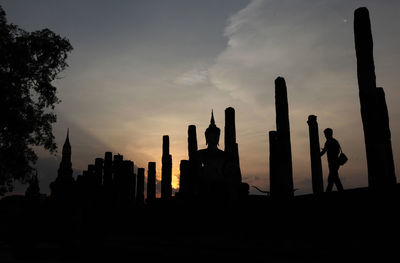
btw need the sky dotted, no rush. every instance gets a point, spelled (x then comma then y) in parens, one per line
(143, 69)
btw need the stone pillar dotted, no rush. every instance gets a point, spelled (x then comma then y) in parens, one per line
(230, 130)
(192, 141)
(140, 186)
(98, 166)
(132, 182)
(166, 170)
(192, 169)
(151, 182)
(274, 184)
(117, 169)
(184, 177)
(231, 146)
(128, 184)
(389, 174)
(92, 175)
(107, 177)
(374, 145)
(283, 134)
(315, 149)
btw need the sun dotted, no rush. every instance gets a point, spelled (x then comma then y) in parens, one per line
(175, 178)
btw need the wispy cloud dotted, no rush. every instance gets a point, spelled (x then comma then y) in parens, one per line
(153, 71)
(193, 77)
(310, 43)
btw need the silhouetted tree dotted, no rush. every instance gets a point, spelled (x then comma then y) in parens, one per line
(33, 190)
(29, 62)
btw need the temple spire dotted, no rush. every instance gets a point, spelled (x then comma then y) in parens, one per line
(63, 187)
(66, 151)
(212, 121)
(66, 143)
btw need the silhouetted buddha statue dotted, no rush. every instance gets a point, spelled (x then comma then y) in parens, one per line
(215, 168)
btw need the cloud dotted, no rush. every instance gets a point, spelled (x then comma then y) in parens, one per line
(295, 39)
(193, 77)
(125, 92)
(310, 44)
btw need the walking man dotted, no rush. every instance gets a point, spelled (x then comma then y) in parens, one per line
(332, 148)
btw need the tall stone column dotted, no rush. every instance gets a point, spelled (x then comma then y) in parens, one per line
(230, 129)
(192, 141)
(107, 180)
(274, 184)
(108, 196)
(316, 166)
(192, 165)
(128, 183)
(117, 170)
(231, 146)
(98, 164)
(140, 186)
(184, 177)
(151, 182)
(374, 143)
(92, 175)
(283, 134)
(166, 170)
(389, 174)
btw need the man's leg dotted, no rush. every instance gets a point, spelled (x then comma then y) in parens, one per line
(334, 172)
(338, 183)
(330, 183)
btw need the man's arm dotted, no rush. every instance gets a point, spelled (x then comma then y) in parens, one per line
(323, 150)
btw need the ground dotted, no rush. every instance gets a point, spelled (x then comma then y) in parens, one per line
(356, 224)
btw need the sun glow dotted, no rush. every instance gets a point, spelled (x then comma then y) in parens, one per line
(175, 179)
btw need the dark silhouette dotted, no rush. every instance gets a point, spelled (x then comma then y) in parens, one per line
(29, 63)
(151, 182)
(140, 186)
(63, 188)
(117, 179)
(213, 213)
(91, 172)
(389, 172)
(218, 173)
(211, 173)
(231, 146)
(128, 184)
(212, 161)
(380, 167)
(33, 190)
(98, 172)
(284, 175)
(316, 165)
(184, 177)
(260, 190)
(166, 170)
(332, 149)
(107, 174)
(192, 152)
(274, 180)
(188, 167)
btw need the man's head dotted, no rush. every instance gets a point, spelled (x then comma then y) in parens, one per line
(328, 133)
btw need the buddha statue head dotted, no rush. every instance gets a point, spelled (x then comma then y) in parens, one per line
(212, 133)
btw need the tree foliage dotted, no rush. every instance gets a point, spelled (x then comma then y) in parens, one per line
(29, 63)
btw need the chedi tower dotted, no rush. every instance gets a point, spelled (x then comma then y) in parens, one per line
(64, 185)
